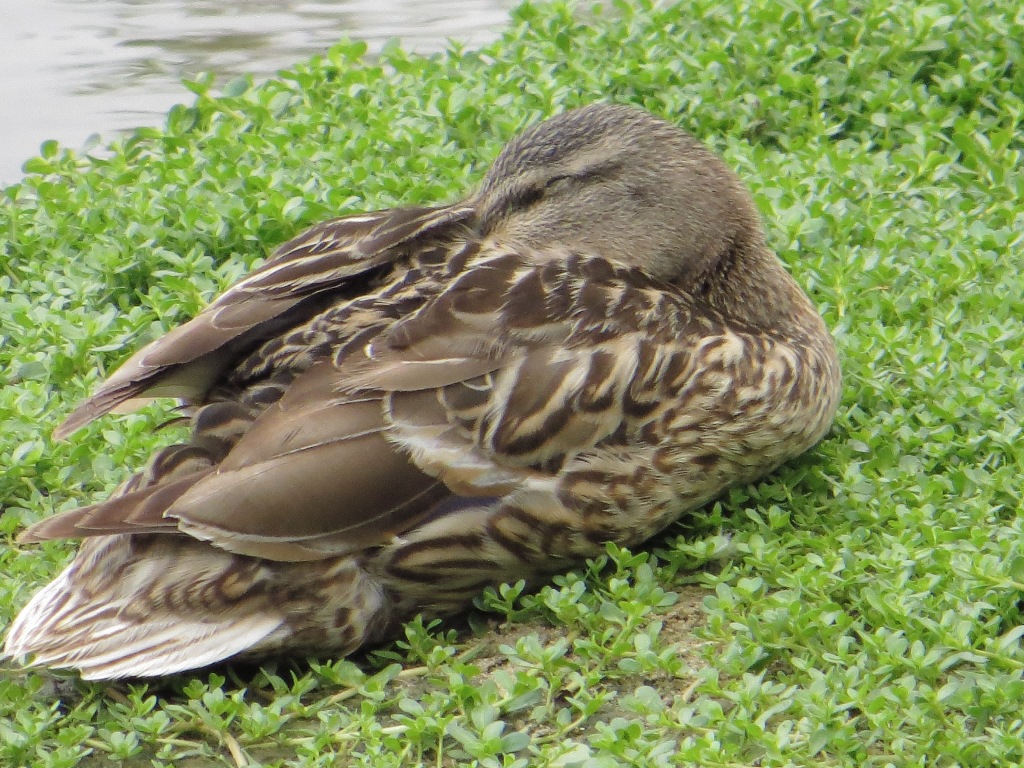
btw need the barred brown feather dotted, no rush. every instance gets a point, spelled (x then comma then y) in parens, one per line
(402, 407)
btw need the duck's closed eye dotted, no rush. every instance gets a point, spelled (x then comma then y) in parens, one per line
(526, 197)
(534, 194)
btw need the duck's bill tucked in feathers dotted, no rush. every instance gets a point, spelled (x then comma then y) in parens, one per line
(400, 408)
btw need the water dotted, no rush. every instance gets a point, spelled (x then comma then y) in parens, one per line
(72, 68)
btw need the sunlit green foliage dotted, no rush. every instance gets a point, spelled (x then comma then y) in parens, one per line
(860, 608)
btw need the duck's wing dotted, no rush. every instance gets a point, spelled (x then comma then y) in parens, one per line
(525, 362)
(488, 388)
(332, 256)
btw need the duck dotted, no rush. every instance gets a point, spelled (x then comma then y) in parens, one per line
(401, 408)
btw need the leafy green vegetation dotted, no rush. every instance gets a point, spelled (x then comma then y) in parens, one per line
(859, 608)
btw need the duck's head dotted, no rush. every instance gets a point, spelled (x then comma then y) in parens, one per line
(623, 184)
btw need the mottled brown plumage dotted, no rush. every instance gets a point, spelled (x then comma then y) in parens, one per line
(402, 407)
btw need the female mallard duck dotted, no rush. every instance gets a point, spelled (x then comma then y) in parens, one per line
(402, 407)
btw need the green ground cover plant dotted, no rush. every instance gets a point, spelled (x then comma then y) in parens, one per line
(861, 607)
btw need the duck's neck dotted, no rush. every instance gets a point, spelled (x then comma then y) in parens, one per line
(752, 287)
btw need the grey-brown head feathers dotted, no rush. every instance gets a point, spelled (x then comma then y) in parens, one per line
(624, 184)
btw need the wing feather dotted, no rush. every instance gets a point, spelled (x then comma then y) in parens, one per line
(189, 359)
(517, 397)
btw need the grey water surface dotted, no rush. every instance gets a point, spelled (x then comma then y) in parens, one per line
(73, 68)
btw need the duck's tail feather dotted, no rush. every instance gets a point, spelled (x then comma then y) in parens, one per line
(110, 635)
(64, 633)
